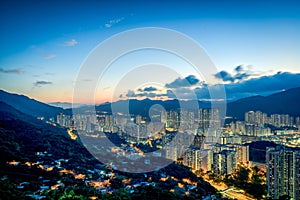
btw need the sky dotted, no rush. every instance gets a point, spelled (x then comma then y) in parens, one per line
(253, 44)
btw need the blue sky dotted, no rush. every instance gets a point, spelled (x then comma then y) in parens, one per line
(44, 43)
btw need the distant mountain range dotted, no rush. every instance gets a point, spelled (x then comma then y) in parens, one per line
(285, 102)
(65, 105)
(29, 106)
(141, 107)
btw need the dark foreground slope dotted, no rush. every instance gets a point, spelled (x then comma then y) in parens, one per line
(29, 106)
(35, 157)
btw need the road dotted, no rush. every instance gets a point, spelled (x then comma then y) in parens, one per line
(228, 192)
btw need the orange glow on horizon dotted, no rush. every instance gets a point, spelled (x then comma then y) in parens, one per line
(51, 96)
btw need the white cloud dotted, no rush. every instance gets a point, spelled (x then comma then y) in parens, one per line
(108, 25)
(112, 22)
(11, 71)
(40, 83)
(49, 56)
(70, 43)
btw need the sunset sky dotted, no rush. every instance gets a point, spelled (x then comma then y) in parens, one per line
(254, 44)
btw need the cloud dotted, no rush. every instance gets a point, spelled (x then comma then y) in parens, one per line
(49, 56)
(239, 68)
(70, 43)
(240, 74)
(225, 76)
(150, 89)
(181, 93)
(276, 82)
(130, 93)
(185, 82)
(149, 92)
(112, 22)
(147, 95)
(11, 71)
(263, 85)
(41, 83)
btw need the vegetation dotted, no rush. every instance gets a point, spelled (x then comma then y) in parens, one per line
(21, 141)
(257, 150)
(249, 180)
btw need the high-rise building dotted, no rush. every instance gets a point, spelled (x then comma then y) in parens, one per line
(192, 158)
(138, 119)
(242, 154)
(250, 117)
(283, 172)
(298, 121)
(172, 152)
(296, 159)
(163, 117)
(257, 118)
(108, 120)
(199, 140)
(224, 162)
(240, 127)
(172, 120)
(209, 118)
(207, 160)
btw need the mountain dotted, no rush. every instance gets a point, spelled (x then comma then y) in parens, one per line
(257, 150)
(60, 159)
(65, 105)
(8, 112)
(142, 107)
(22, 135)
(29, 106)
(286, 102)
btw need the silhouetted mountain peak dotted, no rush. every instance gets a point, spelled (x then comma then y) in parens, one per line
(285, 102)
(29, 106)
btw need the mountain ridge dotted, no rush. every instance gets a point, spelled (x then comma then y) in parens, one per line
(29, 106)
(285, 102)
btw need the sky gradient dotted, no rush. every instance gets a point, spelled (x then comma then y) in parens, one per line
(44, 43)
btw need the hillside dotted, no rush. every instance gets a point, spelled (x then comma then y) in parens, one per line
(23, 135)
(29, 106)
(286, 102)
(61, 161)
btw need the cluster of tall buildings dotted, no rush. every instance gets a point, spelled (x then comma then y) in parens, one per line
(186, 135)
(188, 120)
(244, 128)
(220, 158)
(257, 123)
(182, 120)
(278, 120)
(283, 172)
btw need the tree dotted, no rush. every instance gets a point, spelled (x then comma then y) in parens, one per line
(284, 197)
(242, 176)
(71, 195)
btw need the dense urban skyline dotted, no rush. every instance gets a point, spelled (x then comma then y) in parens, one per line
(150, 100)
